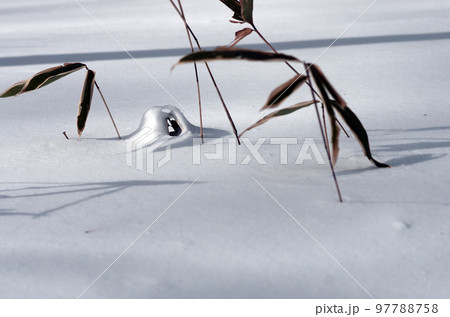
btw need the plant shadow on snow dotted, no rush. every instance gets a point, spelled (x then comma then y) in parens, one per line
(415, 146)
(412, 159)
(405, 160)
(420, 144)
(433, 128)
(98, 189)
(155, 53)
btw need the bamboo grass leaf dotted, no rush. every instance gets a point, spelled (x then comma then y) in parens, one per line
(358, 130)
(49, 75)
(348, 115)
(281, 112)
(328, 85)
(247, 11)
(239, 35)
(41, 79)
(335, 130)
(319, 80)
(283, 91)
(235, 6)
(222, 53)
(13, 90)
(85, 100)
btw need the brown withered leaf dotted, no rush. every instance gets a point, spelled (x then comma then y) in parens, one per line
(235, 6)
(336, 96)
(41, 79)
(222, 53)
(281, 112)
(239, 35)
(318, 79)
(345, 112)
(283, 91)
(14, 90)
(50, 75)
(247, 11)
(85, 100)
(358, 130)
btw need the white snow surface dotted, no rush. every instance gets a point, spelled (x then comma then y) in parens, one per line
(77, 221)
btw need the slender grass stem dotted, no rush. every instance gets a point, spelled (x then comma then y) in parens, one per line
(223, 103)
(199, 102)
(325, 141)
(107, 109)
(195, 69)
(325, 127)
(210, 73)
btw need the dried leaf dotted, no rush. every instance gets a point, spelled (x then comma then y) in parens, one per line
(247, 11)
(345, 112)
(41, 79)
(49, 75)
(319, 80)
(358, 130)
(235, 6)
(239, 35)
(85, 100)
(278, 113)
(13, 90)
(328, 85)
(335, 130)
(283, 91)
(233, 53)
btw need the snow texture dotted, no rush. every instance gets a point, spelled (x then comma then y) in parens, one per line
(232, 226)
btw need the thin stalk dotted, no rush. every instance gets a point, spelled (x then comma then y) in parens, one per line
(223, 103)
(199, 102)
(295, 71)
(341, 127)
(195, 69)
(325, 126)
(325, 141)
(210, 73)
(273, 48)
(107, 108)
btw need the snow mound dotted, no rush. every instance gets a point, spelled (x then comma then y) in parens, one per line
(163, 125)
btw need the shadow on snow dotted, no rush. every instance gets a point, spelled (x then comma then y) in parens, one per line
(120, 55)
(94, 189)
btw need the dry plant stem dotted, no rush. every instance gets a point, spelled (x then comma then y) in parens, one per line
(195, 69)
(325, 126)
(340, 126)
(223, 103)
(210, 73)
(219, 94)
(295, 71)
(199, 102)
(107, 108)
(273, 48)
(325, 141)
